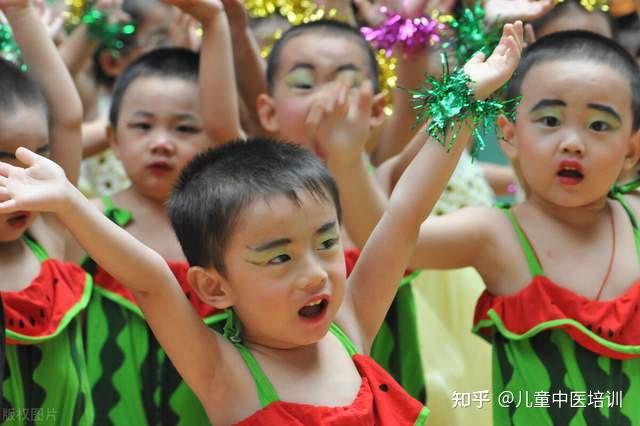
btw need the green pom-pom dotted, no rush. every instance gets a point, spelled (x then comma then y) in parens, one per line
(473, 34)
(9, 50)
(445, 102)
(111, 35)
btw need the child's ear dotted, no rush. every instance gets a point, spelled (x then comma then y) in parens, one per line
(508, 130)
(633, 155)
(377, 110)
(266, 107)
(210, 286)
(110, 66)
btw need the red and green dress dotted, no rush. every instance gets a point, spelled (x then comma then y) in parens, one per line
(560, 358)
(380, 401)
(132, 380)
(396, 346)
(45, 377)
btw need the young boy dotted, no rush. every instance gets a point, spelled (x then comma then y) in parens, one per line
(259, 223)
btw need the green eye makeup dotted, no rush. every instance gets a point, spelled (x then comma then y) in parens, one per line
(300, 78)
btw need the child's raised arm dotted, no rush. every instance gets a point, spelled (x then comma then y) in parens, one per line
(45, 66)
(218, 93)
(42, 186)
(374, 281)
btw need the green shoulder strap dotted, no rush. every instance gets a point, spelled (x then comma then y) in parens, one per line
(532, 261)
(617, 193)
(36, 248)
(120, 216)
(266, 393)
(342, 337)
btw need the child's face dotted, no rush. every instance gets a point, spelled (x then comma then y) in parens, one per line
(24, 126)
(573, 135)
(159, 130)
(308, 64)
(282, 257)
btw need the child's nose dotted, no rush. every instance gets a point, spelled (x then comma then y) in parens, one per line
(572, 144)
(314, 277)
(161, 142)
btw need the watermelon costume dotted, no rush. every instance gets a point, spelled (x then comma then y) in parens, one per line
(396, 346)
(45, 379)
(381, 401)
(548, 341)
(132, 380)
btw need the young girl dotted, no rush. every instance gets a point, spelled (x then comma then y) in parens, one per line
(559, 307)
(45, 379)
(259, 223)
(160, 118)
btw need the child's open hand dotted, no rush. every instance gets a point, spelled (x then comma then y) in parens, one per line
(505, 11)
(201, 10)
(42, 186)
(488, 75)
(339, 120)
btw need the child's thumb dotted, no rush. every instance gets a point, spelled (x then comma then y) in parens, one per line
(26, 157)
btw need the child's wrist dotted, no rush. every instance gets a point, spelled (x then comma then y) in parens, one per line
(453, 101)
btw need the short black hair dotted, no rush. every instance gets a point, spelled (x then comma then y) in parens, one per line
(569, 7)
(17, 89)
(170, 62)
(218, 184)
(580, 45)
(323, 27)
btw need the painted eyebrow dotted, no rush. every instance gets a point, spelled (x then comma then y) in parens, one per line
(326, 227)
(605, 109)
(348, 67)
(271, 244)
(544, 103)
(301, 65)
(284, 241)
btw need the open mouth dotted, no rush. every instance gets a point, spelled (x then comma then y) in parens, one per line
(570, 176)
(19, 220)
(314, 310)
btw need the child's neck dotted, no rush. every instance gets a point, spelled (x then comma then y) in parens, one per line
(584, 216)
(138, 198)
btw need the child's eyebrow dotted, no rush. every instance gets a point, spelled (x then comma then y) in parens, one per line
(605, 109)
(326, 227)
(184, 117)
(544, 103)
(348, 67)
(271, 244)
(143, 113)
(301, 66)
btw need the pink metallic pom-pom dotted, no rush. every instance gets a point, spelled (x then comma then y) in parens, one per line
(409, 32)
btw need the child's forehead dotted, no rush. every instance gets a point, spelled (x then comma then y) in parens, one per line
(320, 49)
(585, 78)
(162, 93)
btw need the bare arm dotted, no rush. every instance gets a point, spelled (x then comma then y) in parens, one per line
(48, 70)
(218, 93)
(374, 281)
(248, 64)
(42, 186)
